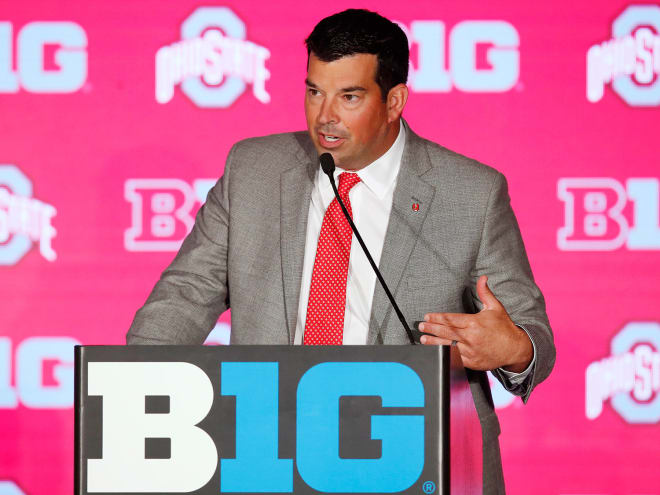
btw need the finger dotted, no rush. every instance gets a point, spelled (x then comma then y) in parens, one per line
(485, 295)
(438, 330)
(429, 340)
(457, 320)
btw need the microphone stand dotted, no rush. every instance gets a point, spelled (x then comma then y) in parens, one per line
(328, 166)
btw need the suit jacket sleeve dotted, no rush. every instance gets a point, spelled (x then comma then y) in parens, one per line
(192, 291)
(503, 258)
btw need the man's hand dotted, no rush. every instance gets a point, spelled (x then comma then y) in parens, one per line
(487, 340)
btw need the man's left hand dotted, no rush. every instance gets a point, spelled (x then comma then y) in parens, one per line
(487, 340)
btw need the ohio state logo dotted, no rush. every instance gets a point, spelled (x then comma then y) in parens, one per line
(162, 212)
(594, 218)
(213, 63)
(24, 220)
(630, 377)
(630, 60)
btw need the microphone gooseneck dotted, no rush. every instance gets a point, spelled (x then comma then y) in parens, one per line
(328, 166)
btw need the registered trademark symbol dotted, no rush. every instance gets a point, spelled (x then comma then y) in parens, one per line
(428, 487)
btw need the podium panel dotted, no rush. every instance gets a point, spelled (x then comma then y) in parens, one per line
(274, 419)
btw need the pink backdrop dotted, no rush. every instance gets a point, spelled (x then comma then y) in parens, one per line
(100, 174)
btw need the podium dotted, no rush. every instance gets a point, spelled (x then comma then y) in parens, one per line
(274, 419)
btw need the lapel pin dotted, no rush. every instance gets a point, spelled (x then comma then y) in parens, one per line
(415, 206)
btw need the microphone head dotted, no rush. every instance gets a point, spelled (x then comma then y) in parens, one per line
(327, 163)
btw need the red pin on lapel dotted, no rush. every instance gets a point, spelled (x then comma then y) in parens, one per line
(415, 206)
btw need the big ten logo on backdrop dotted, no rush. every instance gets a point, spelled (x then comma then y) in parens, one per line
(51, 57)
(24, 220)
(41, 374)
(630, 60)
(474, 56)
(629, 377)
(162, 212)
(603, 214)
(214, 61)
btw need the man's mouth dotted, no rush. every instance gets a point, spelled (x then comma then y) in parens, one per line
(329, 140)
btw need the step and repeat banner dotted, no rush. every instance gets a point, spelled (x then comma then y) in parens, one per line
(116, 119)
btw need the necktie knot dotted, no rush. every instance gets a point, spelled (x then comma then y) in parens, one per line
(346, 182)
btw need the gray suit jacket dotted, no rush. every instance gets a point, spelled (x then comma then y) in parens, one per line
(247, 246)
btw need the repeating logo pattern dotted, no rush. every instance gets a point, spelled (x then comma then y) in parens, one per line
(24, 220)
(70, 59)
(594, 219)
(213, 62)
(433, 72)
(162, 212)
(630, 377)
(630, 60)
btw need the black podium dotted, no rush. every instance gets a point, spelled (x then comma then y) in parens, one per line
(274, 419)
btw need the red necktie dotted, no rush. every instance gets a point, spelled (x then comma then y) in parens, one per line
(324, 324)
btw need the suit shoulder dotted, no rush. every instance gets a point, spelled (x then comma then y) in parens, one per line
(459, 171)
(464, 165)
(276, 152)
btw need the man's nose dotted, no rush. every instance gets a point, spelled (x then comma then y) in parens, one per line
(328, 114)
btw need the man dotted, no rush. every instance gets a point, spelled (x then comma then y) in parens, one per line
(271, 243)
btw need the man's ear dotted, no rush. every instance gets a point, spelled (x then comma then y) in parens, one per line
(396, 100)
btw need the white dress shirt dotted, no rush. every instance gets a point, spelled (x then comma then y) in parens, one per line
(371, 202)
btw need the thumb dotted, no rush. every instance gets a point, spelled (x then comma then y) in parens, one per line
(485, 295)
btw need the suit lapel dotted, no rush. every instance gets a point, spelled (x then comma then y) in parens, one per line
(296, 186)
(403, 229)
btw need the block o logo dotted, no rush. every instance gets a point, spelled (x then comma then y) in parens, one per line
(630, 60)
(629, 377)
(23, 219)
(213, 62)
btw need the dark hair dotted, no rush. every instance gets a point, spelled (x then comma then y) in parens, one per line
(355, 31)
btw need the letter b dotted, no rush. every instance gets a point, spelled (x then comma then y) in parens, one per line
(593, 219)
(127, 426)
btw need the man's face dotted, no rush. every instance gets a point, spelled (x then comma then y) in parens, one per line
(346, 115)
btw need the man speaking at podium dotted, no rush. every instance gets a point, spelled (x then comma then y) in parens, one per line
(272, 243)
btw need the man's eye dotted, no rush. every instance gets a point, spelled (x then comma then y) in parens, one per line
(351, 98)
(312, 91)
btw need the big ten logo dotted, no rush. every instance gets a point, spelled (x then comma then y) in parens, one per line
(163, 403)
(213, 62)
(630, 377)
(483, 56)
(51, 57)
(630, 60)
(162, 212)
(42, 373)
(24, 220)
(594, 217)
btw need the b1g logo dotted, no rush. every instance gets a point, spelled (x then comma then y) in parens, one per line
(594, 219)
(24, 220)
(153, 420)
(629, 377)
(630, 60)
(483, 56)
(162, 212)
(65, 73)
(42, 372)
(213, 62)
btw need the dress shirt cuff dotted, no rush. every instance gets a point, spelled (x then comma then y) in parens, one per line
(513, 381)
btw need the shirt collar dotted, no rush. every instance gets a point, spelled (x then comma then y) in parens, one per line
(379, 175)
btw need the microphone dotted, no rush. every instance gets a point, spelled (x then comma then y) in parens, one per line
(328, 166)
